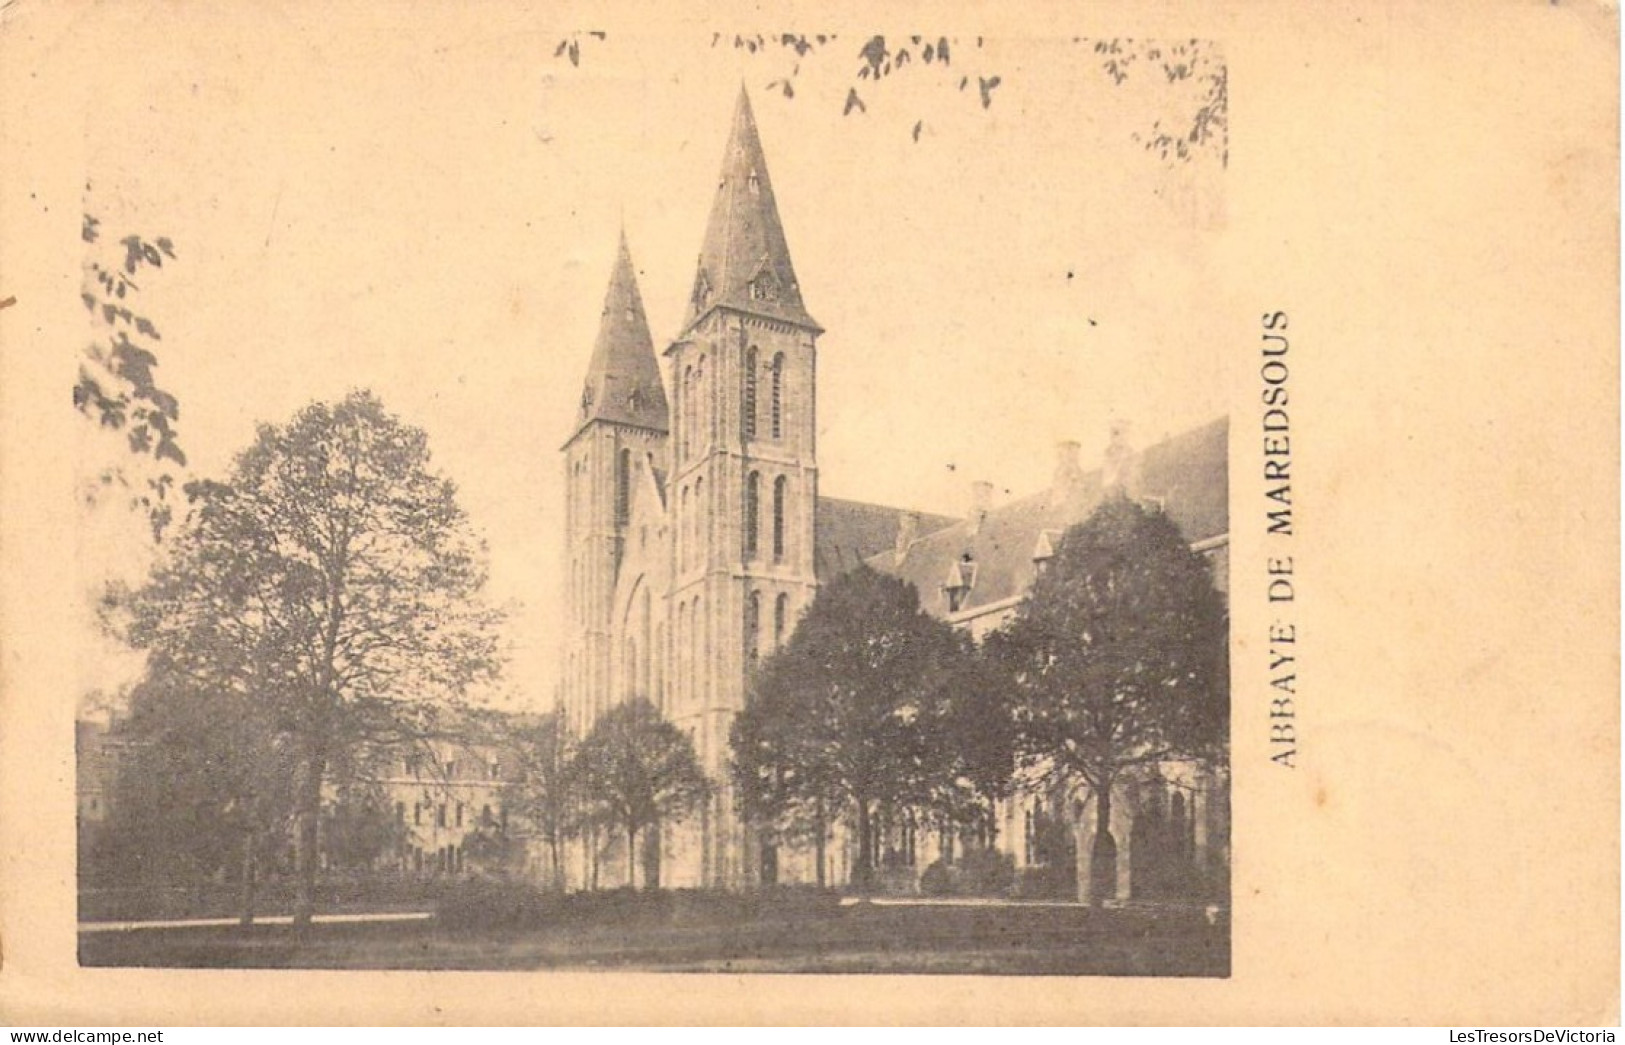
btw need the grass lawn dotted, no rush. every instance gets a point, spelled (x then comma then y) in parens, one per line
(996, 939)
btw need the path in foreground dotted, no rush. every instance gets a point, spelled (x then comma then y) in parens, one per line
(989, 938)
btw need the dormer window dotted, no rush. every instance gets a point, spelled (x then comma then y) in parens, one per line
(961, 580)
(1043, 551)
(754, 183)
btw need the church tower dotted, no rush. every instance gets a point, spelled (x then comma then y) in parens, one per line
(744, 480)
(621, 425)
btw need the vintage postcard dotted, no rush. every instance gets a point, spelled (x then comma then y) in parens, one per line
(1096, 515)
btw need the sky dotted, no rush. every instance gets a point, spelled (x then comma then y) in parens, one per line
(434, 217)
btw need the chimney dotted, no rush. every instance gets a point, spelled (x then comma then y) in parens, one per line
(981, 500)
(1066, 488)
(908, 528)
(1119, 472)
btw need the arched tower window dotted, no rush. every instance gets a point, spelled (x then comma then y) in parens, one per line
(696, 649)
(781, 610)
(753, 628)
(623, 486)
(657, 669)
(750, 393)
(778, 396)
(753, 509)
(685, 413)
(681, 529)
(779, 486)
(697, 524)
(702, 416)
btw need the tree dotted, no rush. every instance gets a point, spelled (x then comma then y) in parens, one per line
(978, 737)
(638, 770)
(850, 713)
(202, 790)
(360, 824)
(1191, 82)
(546, 791)
(1194, 76)
(1119, 659)
(116, 385)
(491, 849)
(333, 582)
(785, 788)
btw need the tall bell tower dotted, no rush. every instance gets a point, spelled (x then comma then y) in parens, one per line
(744, 478)
(622, 418)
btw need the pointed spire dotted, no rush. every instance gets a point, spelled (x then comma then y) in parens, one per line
(623, 381)
(745, 261)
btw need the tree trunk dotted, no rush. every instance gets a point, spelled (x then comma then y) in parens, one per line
(818, 846)
(631, 857)
(1103, 853)
(558, 862)
(309, 801)
(863, 874)
(246, 915)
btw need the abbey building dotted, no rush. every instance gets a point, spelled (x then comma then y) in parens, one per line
(695, 534)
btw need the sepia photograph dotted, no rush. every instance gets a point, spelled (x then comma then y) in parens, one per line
(566, 593)
(540, 516)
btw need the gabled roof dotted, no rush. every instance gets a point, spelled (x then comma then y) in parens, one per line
(848, 532)
(1187, 474)
(745, 261)
(623, 380)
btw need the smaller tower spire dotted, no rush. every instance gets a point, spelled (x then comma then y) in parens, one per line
(623, 380)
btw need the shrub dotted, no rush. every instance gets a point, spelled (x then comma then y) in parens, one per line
(982, 872)
(1048, 882)
(935, 880)
(487, 904)
(987, 872)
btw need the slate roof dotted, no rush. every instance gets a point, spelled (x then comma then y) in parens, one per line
(745, 261)
(1187, 473)
(623, 380)
(848, 532)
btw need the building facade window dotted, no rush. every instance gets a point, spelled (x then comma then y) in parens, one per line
(780, 485)
(696, 550)
(702, 416)
(777, 396)
(753, 510)
(658, 668)
(753, 627)
(749, 406)
(681, 529)
(681, 652)
(685, 413)
(623, 486)
(781, 609)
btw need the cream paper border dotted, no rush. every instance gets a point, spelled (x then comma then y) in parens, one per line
(1430, 191)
